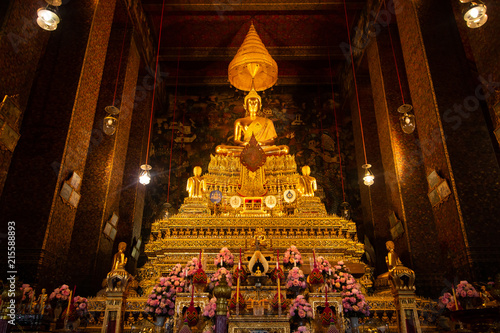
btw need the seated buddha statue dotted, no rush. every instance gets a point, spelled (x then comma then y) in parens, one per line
(307, 183)
(397, 275)
(261, 127)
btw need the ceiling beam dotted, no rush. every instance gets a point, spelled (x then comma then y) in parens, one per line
(228, 53)
(244, 7)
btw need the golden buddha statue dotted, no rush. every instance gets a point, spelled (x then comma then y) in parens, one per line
(258, 264)
(399, 276)
(120, 260)
(196, 185)
(307, 184)
(262, 128)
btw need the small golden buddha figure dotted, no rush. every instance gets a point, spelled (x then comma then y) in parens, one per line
(396, 270)
(307, 184)
(262, 128)
(258, 264)
(196, 185)
(120, 260)
(392, 259)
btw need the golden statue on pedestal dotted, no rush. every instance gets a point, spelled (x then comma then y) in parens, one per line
(118, 279)
(196, 185)
(307, 184)
(258, 264)
(120, 260)
(400, 277)
(261, 128)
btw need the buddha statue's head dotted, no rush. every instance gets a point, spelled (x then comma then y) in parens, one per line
(253, 102)
(122, 246)
(306, 170)
(197, 171)
(389, 245)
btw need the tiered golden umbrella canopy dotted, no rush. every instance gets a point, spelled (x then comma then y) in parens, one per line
(253, 64)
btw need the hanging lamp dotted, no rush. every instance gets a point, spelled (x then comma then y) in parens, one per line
(110, 122)
(407, 120)
(368, 178)
(48, 17)
(475, 14)
(145, 175)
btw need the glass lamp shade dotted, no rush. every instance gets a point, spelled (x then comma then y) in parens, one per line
(368, 178)
(478, 22)
(345, 210)
(475, 14)
(407, 123)
(407, 119)
(109, 125)
(145, 175)
(48, 18)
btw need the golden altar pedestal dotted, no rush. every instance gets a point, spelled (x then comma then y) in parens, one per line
(259, 324)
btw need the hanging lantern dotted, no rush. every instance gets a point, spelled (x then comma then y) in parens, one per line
(145, 175)
(275, 302)
(315, 278)
(407, 119)
(475, 14)
(345, 210)
(327, 316)
(192, 315)
(368, 178)
(200, 277)
(110, 122)
(48, 18)
(237, 301)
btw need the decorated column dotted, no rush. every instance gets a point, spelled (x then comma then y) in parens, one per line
(222, 292)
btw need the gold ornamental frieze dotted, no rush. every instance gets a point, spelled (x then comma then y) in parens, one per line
(246, 222)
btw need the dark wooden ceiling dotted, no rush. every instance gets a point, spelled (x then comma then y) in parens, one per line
(202, 36)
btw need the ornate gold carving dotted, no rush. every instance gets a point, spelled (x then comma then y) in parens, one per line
(253, 66)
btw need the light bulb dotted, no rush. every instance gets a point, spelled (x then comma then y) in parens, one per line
(144, 179)
(110, 122)
(145, 176)
(407, 123)
(474, 13)
(109, 125)
(369, 178)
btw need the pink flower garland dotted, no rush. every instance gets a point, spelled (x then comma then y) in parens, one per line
(80, 305)
(300, 309)
(465, 289)
(292, 255)
(224, 257)
(229, 277)
(296, 279)
(60, 294)
(342, 280)
(354, 302)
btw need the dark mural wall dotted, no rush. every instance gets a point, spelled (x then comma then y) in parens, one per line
(204, 118)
